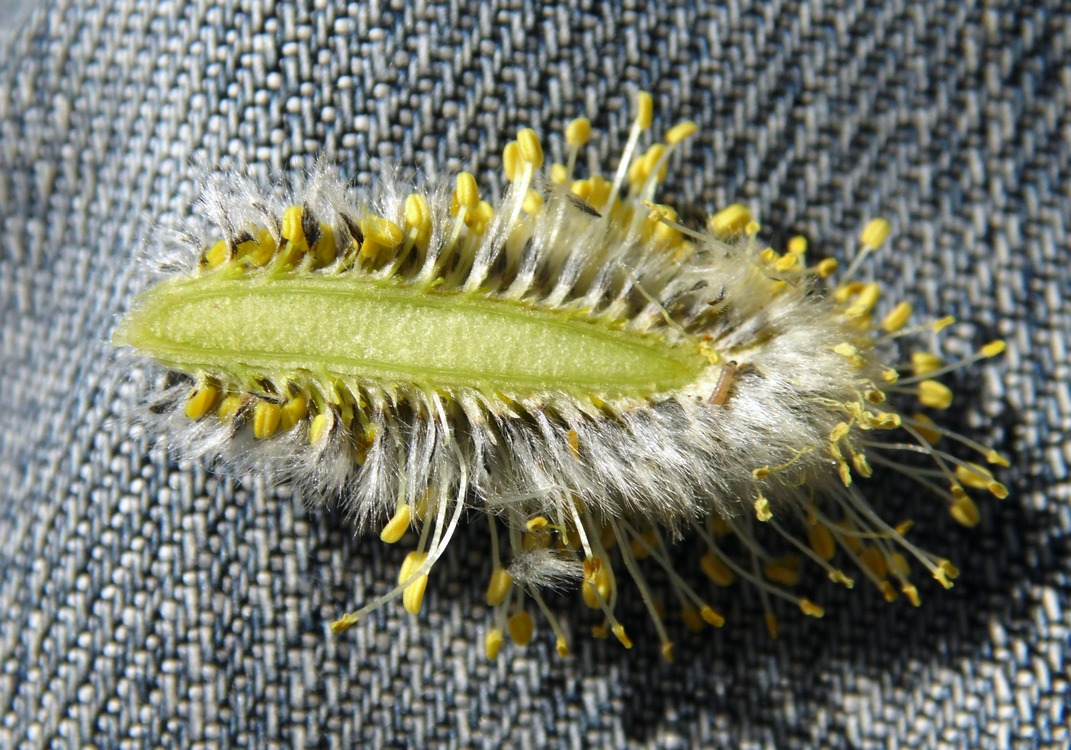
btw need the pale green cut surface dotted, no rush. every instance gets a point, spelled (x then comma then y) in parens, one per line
(354, 329)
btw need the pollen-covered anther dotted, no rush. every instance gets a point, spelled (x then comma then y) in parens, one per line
(619, 633)
(864, 301)
(680, 131)
(217, 254)
(597, 582)
(531, 148)
(343, 623)
(826, 267)
(811, 609)
(965, 512)
(875, 233)
(511, 160)
(201, 401)
(945, 572)
(418, 219)
(293, 411)
(532, 203)
(897, 318)
(413, 596)
(466, 194)
(292, 228)
(492, 643)
(537, 524)
(380, 235)
(763, 512)
(521, 628)
(923, 363)
(267, 416)
(499, 587)
(994, 348)
(578, 132)
(934, 394)
(716, 570)
(230, 407)
(644, 110)
(729, 221)
(398, 524)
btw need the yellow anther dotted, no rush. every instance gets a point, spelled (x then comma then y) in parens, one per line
(865, 301)
(294, 410)
(898, 565)
(413, 596)
(539, 523)
(811, 609)
(762, 508)
(562, 647)
(897, 317)
(845, 473)
(667, 651)
(578, 132)
(619, 633)
(797, 245)
(974, 476)
(874, 396)
(997, 490)
(466, 193)
(596, 585)
(520, 628)
(785, 571)
(716, 570)
(680, 131)
(690, 617)
(531, 148)
(418, 214)
(874, 561)
(821, 541)
(927, 428)
(261, 250)
(904, 526)
(945, 573)
(845, 292)
(934, 394)
(729, 221)
(923, 363)
(381, 231)
(889, 375)
(861, 466)
(558, 174)
(229, 407)
(992, 457)
(342, 624)
(325, 251)
(761, 473)
(846, 350)
(965, 512)
(769, 256)
(582, 189)
(266, 418)
(826, 267)
(319, 427)
(499, 587)
(711, 616)
(887, 591)
(533, 201)
(511, 160)
(786, 263)
(492, 644)
(217, 254)
(912, 593)
(957, 490)
(644, 110)
(942, 323)
(994, 348)
(839, 432)
(398, 524)
(875, 233)
(772, 628)
(752, 228)
(292, 229)
(573, 439)
(202, 400)
(837, 576)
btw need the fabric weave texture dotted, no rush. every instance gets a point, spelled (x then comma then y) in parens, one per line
(146, 602)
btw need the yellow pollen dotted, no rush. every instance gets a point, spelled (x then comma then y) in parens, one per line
(413, 596)
(291, 228)
(912, 594)
(217, 254)
(992, 457)
(619, 633)
(644, 110)
(511, 160)
(797, 245)
(865, 301)
(923, 363)
(531, 148)
(839, 432)
(396, 527)
(562, 647)
(680, 131)
(578, 132)
(994, 348)
(945, 573)
(520, 628)
(319, 427)
(826, 267)
(875, 233)
(762, 508)
(266, 418)
(201, 401)
(381, 231)
(467, 194)
(729, 221)
(897, 317)
(975, 476)
(965, 512)
(716, 570)
(934, 394)
(711, 617)
(343, 624)
(811, 609)
(229, 407)
(294, 410)
(499, 587)
(537, 524)
(492, 644)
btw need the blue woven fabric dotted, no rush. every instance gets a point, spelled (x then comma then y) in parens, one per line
(146, 602)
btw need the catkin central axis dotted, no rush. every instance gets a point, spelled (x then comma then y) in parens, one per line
(353, 328)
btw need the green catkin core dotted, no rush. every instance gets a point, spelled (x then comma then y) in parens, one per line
(346, 327)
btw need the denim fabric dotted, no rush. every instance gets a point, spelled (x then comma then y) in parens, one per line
(146, 602)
